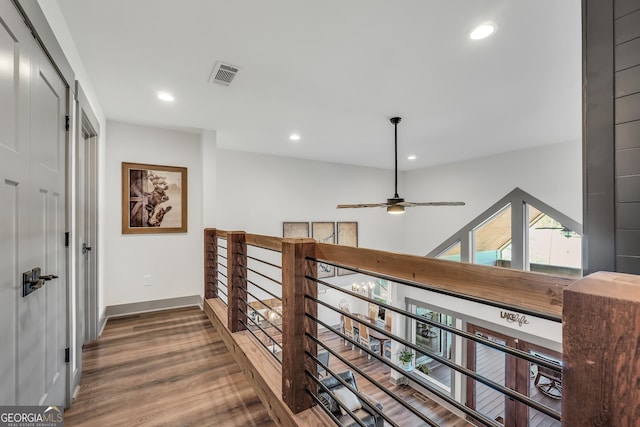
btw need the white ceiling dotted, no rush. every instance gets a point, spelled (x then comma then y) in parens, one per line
(335, 70)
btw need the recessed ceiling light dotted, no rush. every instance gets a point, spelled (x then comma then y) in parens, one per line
(482, 31)
(164, 96)
(294, 137)
(411, 157)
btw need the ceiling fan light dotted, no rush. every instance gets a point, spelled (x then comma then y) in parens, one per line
(395, 209)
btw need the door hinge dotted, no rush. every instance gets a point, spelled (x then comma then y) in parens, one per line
(66, 239)
(66, 355)
(66, 123)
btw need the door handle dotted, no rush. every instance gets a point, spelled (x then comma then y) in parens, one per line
(85, 248)
(32, 280)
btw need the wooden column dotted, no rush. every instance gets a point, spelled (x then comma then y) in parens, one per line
(601, 350)
(210, 263)
(295, 324)
(237, 280)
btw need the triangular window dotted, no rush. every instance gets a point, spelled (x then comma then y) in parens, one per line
(521, 232)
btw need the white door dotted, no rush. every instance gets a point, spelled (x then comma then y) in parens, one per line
(90, 232)
(78, 324)
(85, 298)
(32, 218)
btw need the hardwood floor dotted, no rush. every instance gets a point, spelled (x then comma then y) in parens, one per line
(171, 368)
(380, 373)
(489, 402)
(490, 363)
(166, 368)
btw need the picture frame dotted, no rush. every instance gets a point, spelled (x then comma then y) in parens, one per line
(324, 232)
(154, 199)
(295, 229)
(347, 235)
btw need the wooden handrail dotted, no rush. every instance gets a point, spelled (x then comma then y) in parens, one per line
(537, 292)
(266, 242)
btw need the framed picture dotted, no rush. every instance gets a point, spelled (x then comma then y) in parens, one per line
(324, 232)
(154, 199)
(347, 235)
(295, 229)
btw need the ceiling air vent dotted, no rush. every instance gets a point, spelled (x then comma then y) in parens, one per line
(223, 74)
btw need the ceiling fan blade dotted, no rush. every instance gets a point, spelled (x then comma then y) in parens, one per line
(362, 205)
(409, 204)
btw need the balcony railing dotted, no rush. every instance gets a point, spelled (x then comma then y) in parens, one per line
(267, 288)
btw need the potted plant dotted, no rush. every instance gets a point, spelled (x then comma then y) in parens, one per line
(423, 368)
(405, 357)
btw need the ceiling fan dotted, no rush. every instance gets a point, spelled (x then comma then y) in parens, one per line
(564, 230)
(396, 204)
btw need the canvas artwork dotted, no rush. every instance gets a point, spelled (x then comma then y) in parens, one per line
(295, 229)
(347, 233)
(154, 199)
(324, 232)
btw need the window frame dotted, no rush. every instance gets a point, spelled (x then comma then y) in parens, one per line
(518, 199)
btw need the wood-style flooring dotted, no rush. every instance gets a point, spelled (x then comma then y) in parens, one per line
(167, 368)
(491, 364)
(381, 374)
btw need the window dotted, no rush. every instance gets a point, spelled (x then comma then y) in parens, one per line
(491, 237)
(435, 342)
(453, 253)
(553, 247)
(522, 232)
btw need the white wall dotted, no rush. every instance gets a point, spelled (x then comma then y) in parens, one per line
(551, 173)
(173, 259)
(208, 141)
(256, 193)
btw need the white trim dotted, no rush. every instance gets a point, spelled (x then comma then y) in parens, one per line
(148, 306)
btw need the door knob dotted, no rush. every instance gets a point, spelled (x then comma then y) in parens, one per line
(85, 248)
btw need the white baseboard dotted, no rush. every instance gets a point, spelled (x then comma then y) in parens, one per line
(147, 306)
(102, 322)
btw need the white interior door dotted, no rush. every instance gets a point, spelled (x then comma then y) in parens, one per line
(78, 294)
(84, 297)
(32, 219)
(90, 273)
(14, 169)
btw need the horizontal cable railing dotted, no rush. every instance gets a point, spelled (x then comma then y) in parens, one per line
(261, 295)
(215, 268)
(398, 332)
(403, 316)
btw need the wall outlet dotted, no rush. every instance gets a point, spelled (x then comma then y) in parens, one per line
(147, 280)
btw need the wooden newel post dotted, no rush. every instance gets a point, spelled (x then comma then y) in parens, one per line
(237, 280)
(210, 263)
(295, 324)
(601, 351)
